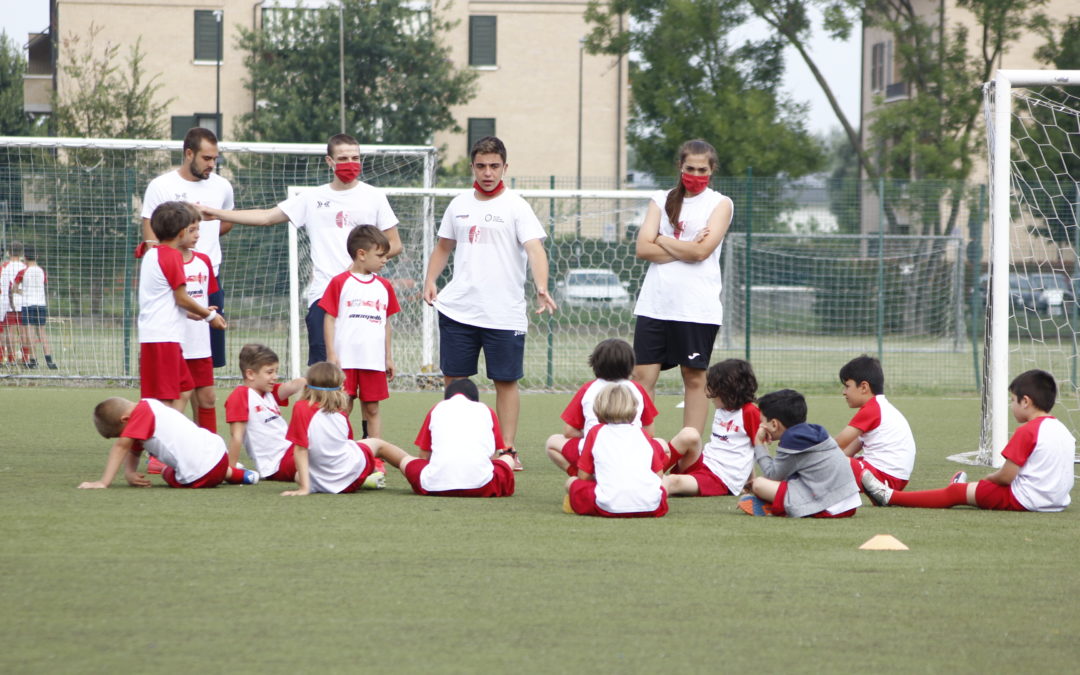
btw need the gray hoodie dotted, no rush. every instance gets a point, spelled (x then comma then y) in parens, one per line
(818, 473)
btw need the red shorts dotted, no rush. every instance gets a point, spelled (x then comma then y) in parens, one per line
(858, 464)
(583, 502)
(996, 497)
(163, 373)
(213, 477)
(12, 319)
(366, 385)
(778, 506)
(369, 466)
(709, 484)
(571, 452)
(500, 485)
(202, 371)
(286, 470)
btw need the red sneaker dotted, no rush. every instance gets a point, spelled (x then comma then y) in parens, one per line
(154, 465)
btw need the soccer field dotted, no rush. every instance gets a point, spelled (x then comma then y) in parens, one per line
(239, 579)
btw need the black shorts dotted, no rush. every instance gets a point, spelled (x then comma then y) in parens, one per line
(673, 343)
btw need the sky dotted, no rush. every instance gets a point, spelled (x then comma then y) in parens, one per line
(838, 60)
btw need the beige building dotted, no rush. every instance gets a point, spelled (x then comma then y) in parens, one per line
(527, 54)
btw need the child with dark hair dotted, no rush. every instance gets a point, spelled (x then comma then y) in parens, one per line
(612, 362)
(462, 453)
(809, 477)
(1038, 471)
(724, 464)
(878, 430)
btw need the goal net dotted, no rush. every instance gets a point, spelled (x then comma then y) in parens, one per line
(1033, 311)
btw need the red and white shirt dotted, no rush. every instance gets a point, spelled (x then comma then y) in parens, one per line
(579, 412)
(215, 192)
(201, 282)
(729, 454)
(10, 302)
(329, 216)
(623, 460)
(160, 273)
(32, 280)
(166, 433)
(334, 459)
(361, 304)
(461, 435)
(264, 436)
(887, 442)
(1045, 451)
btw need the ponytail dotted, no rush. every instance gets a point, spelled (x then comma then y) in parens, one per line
(673, 205)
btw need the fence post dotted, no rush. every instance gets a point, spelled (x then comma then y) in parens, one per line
(881, 272)
(129, 271)
(550, 317)
(749, 199)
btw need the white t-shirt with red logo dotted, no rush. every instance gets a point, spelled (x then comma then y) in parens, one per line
(623, 460)
(361, 304)
(729, 454)
(166, 433)
(160, 273)
(31, 281)
(461, 435)
(215, 192)
(887, 442)
(10, 302)
(685, 291)
(201, 281)
(579, 412)
(487, 289)
(329, 215)
(335, 461)
(1045, 451)
(264, 436)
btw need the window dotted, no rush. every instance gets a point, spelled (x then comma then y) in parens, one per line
(181, 123)
(208, 29)
(877, 67)
(478, 128)
(481, 41)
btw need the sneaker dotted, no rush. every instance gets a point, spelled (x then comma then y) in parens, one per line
(380, 466)
(513, 453)
(959, 477)
(32, 363)
(250, 477)
(375, 481)
(753, 505)
(51, 365)
(878, 492)
(154, 465)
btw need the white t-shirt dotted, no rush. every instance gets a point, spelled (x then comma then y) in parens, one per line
(580, 414)
(461, 435)
(685, 291)
(887, 442)
(8, 272)
(264, 436)
(624, 461)
(160, 318)
(215, 192)
(487, 289)
(329, 215)
(335, 461)
(361, 305)
(31, 281)
(201, 282)
(729, 454)
(166, 433)
(1045, 451)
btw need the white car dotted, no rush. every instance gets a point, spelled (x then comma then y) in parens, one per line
(592, 288)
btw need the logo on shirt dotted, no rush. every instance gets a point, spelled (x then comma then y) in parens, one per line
(180, 196)
(377, 304)
(199, 278)
(474, 234)
(258, 408)
(489, 218)
(462, 215)
(321, 204)
(680, 227)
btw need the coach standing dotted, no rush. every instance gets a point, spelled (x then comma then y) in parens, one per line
(196, 182)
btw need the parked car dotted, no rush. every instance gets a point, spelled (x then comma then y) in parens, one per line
(1042, 292)
(595, 287)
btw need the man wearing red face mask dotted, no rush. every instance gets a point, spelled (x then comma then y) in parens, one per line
(678, 309)
(329, 212)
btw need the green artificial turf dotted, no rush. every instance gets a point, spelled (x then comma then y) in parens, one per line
(239, 579)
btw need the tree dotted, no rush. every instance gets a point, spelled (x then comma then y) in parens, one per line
(690, 78)
(399, 81)
(13, 120)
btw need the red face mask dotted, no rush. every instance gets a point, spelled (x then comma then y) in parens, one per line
(695, 184)
(347, 172)
(494, 190)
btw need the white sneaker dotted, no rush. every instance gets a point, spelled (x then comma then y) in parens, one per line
(375, 481)
(878, 492)
(959, 477)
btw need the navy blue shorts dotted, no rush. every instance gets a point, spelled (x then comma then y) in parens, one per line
(673, 343)
(316, 343)
(217, 336)
(34, 315)
(460, 345)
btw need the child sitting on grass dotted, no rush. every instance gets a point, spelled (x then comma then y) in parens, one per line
(1038, 470)
(810, 476)
(193, 457)
(725, 463)
(620, 468)
(462, 452)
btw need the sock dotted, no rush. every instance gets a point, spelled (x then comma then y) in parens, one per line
(26, 353)
(235, 476)
(207, 418)
(3, 352)
(363, 428)
(953, 495)
(673, 457)
(48, 358)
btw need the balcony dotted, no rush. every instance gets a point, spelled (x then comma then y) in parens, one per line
(38, 79)
(897, 91)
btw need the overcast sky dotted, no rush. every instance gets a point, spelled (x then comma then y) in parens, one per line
(839, 61)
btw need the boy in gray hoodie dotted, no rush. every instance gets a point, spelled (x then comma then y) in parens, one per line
(809, 476)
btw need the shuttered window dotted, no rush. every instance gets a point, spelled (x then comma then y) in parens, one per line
(478, 128)
(206, 35)
(481, 41)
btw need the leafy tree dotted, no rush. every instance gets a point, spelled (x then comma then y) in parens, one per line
(13, 121)
(399, 81)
